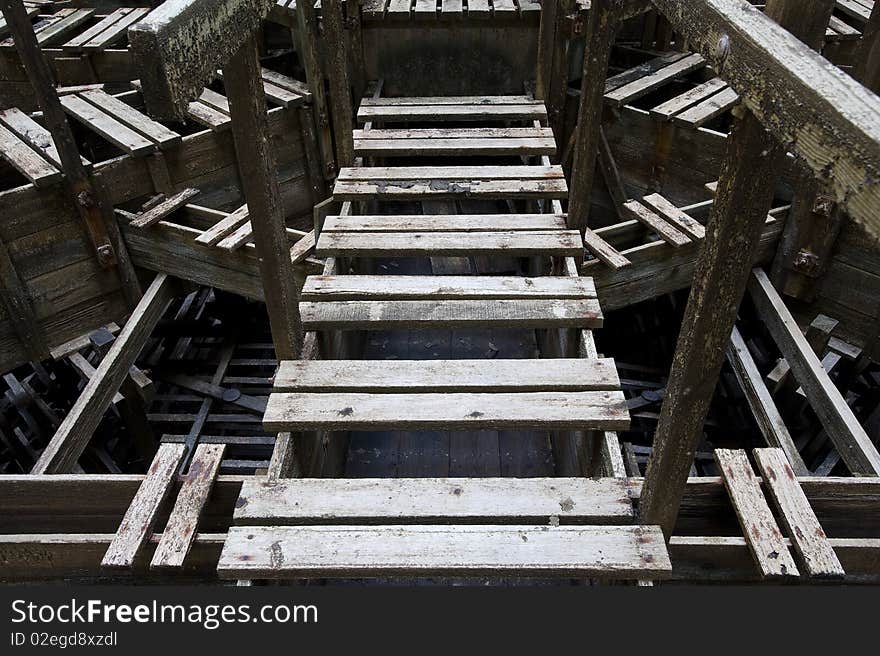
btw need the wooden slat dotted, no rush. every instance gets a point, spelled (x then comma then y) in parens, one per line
(107, 126)
(691, 227)
(379, 315)
(804, 530)
(670, 108)
(448, 101)
(180, 531)
(33, 134)
(223, 227)
(705, 111)
(238, 237)
(438, 146)
(644, 85)
(401, 223)
(445, 189)
(26, 160)
(163, 209)
(323, 551)
(208, 116)
(285, 82)
(141, 515)
(755, 517)
(390, 244)
(640, 71)
(454, 410)
(141, 123)
(60, 28)
(842, 426)
(215, 100)
(568, 374)
(115, 32)
(529, 111)
(83, 37)
(604, 251)
(441, 500)
(460, 173)
(668, 232)
(382, 287)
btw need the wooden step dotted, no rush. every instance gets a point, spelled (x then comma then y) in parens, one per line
(468, 313)
(365, 287)
(296, 501)
(451, 108)
(445, 142)
(397, 376)
(444, 223)
(458, 550)
(558, 243)
(295, 411)
(450, 182)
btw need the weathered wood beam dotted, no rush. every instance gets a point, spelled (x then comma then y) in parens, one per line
(340, 89)
(842, 426)
(817, 111)
(72, 437)
(867, 57)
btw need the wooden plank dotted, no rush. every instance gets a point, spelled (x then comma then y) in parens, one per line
(643, 86)
(224, 227)
(141, 515)
(152, 130)
(804, 530)
(755, 517)
(708, 109)
(442, 112)
(60, 28)
(441, 500)
(180, 531)
(427, 134)
(670, 108)
(107, 126)
(444, 223)
(448, 101)
(668, 232)
(76, 430)
(391, 244)
(761, 402)
(383, 287)
(604, 251)
(80, 39)
(388, 173)
(163, 209)
(115, 32)
(26, 160)
(680, 220)
(238, 237)
(563, 374)
(380, 315)
(567, 551)
(285, 82)
(454, 410)
(640, 71)
(208, 116)
(355, 190)
(33, 134)
(455, 146)
(842, 426)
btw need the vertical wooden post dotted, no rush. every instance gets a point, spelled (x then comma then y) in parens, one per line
(250, 130)
(95, 212)
(745, 192)
(340, 90)
(602, 27)
(867, 57)
(546, 39)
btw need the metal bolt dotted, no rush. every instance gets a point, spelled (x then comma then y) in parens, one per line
(85, 199)
(722, 51)
(105, 254)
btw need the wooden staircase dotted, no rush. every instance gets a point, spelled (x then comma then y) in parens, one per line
(571, 527)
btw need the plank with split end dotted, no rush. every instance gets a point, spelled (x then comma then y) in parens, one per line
(152, 130)
(366, 287)
(444, 223)
(688, 225)
(458, 113)
(381, 315)
(108, 127)
(645, 85)
(670, 108)
(441, 500)
(604, 251)
(223, 227)
(141, 515)
(292, 411)
(163, 209)
(570, 374)
(668, 232)
(842, 426)
(472, 550)
(26, 160)
(390, 244)
(804, 530)
(180, 531)
(755, 517)
(34, 134)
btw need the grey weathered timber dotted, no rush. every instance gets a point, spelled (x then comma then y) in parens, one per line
(691, 227)
(744, 194)
(763, 407)
(819, 112)
(443, 223)
(867, 57)
(440, 500)
(755, 517)
(463, 550)
(654, 222)
(179, 46)
(158, 212)
(295, 411)
(804, 530)
(340, 89)
(180, 531)
(260, 185)
(393, 244)
(311, 61)
(136, 526)
(557, 374)
(842, 426)
(72, 437)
